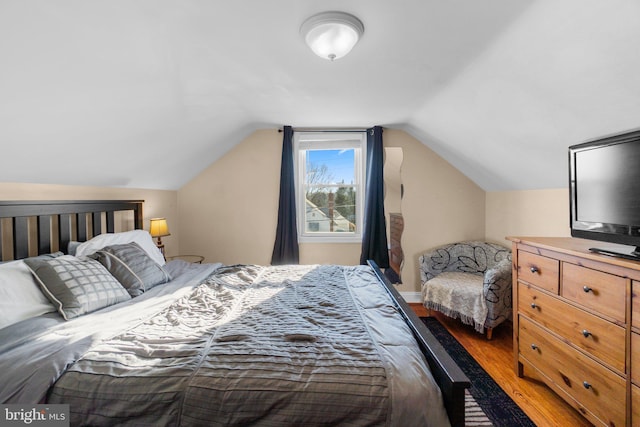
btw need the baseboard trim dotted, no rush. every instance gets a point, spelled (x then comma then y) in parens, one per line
(410, 297)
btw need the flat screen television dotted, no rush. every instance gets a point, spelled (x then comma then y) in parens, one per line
(604, 187)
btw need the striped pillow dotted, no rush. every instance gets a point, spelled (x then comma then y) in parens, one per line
(132, 266)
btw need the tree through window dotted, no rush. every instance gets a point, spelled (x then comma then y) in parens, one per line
(330, 176)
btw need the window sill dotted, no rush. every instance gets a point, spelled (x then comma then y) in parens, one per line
(329, 239)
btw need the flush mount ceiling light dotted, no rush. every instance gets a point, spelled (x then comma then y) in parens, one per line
(331, 35)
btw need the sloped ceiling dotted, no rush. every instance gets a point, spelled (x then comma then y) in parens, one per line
(148, 93)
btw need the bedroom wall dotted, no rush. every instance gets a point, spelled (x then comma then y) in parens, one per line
(440, 204)
(228, 213)
(527, 213)
(158, 203)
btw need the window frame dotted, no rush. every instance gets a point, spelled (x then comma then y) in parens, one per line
(303, 141)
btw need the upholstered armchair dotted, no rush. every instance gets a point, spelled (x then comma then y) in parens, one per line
(470, 281)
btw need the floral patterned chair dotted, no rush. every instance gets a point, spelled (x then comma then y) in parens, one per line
(470, 281)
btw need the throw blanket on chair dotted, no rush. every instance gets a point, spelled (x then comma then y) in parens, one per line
(459, 295)
(468, 280)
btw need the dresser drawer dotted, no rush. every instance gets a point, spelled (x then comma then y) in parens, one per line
(635, 358)
(635, 310)
(602, 339)
(539, 270)
(635, 405)
(592, 386)
(594, 289)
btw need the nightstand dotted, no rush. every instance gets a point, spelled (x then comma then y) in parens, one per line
(188, 258)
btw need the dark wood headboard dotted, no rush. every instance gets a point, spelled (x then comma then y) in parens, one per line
(56, 223)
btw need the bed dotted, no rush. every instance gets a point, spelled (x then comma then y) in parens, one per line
(207, 344)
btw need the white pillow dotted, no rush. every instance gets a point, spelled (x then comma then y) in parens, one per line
(141, 237)
(20, 295)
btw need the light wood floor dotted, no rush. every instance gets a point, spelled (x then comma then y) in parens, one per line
(543, 406)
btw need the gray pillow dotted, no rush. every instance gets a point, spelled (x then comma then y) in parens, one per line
(48, 256)
(72, 246)
(43, 256)
(76, 286)
(132, 266)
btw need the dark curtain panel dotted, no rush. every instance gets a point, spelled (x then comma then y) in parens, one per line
(374, 235)
(285, 249)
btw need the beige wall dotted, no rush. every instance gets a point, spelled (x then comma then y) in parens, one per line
(157, 202)
(440, 205)
(527, 213)
(228, 213)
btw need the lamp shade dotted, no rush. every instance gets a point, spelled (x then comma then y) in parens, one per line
(159, 227)
(331, 35)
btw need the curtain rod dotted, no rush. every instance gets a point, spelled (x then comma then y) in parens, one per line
(326, 130)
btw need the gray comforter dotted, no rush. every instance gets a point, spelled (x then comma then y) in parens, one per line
(294, 345)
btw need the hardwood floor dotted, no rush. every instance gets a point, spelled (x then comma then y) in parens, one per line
(542, 405)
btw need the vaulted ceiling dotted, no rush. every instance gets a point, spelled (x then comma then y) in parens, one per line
(148, 93)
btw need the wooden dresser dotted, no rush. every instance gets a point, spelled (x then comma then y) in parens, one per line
(576, 325)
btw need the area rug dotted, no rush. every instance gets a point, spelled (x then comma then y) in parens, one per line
(494, 402)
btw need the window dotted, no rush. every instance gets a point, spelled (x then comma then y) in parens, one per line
(330, 177)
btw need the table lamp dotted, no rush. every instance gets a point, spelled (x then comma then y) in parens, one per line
(158, 228)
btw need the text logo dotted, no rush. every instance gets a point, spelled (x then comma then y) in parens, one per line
(34, 415)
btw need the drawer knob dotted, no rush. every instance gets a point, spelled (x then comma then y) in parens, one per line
(586, 288)
(586, 385)
(534, 347)
(586, 333)
(534, 305)
(534, 269)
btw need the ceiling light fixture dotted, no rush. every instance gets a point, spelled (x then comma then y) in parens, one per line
(331, 35)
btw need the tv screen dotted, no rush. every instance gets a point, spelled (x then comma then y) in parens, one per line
(604, 184)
